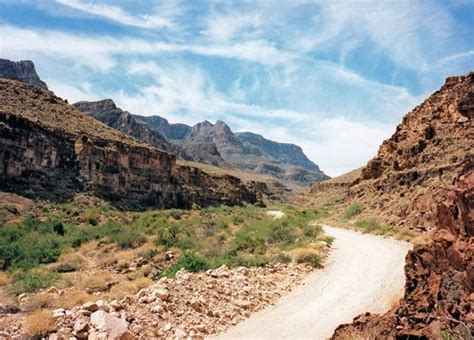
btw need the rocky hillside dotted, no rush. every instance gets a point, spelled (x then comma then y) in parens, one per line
(23, 71)
(430, 148)
(51, 150)
(213, 144)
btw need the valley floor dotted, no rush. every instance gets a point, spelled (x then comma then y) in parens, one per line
(364, 273)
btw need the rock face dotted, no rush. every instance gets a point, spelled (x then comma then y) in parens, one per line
(23, 71)
(439, 292)
(213, 144)
(50, 150)
(430, 148)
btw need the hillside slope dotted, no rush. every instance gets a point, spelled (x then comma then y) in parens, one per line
(50, 150)
(430, 148)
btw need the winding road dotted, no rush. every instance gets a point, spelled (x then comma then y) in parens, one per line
(363, 273)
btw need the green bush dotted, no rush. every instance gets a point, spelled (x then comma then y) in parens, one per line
(367, 225)
(308, 256)
(32, 281)
(127, 239)
(312, 230)
(354, 209)
(189, 261)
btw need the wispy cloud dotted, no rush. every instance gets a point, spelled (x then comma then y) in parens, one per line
(98, 52)
(163, 16)
(456, 57)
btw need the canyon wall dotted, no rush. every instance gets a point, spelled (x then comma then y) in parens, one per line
(52, 151)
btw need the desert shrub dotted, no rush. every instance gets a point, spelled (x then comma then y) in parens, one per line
(71, 298)
(40, 323)
(282, 232)
(328, 239)
(38, 301)
(4, 279)
(142, 282)
(31, 222)
(189, 261)
(282, 258)
(174, 235)
(312, 230)
(91, 216)
(367, 225)
(32, 280)
(128, 238)
(96, 282)
(68, 263)
(354, 209)
(308, 256)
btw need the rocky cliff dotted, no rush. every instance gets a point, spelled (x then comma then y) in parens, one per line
(50, 150)
(23, 71)
(213, 144)
(429, 149)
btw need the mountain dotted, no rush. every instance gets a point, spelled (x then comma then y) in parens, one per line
(107, 112)
(213, 144)
(23, 71)
(50, 150)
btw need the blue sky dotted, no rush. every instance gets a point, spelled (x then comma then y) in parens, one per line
(333, 77)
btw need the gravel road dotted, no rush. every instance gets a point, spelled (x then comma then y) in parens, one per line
(363, 273)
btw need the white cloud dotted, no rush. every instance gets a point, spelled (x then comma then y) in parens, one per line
(224, 27)
(163, 16)
(456, 57)
(99, 52)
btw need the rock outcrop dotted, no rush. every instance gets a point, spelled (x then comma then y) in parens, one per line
(23, 71)
(429, 149)
(50, 150)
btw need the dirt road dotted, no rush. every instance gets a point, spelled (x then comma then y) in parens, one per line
(364, 273)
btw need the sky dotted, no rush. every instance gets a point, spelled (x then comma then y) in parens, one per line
(334, 77)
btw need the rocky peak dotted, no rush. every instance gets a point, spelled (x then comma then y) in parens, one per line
(23, 71)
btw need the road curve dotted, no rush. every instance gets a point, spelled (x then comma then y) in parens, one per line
(363, 273)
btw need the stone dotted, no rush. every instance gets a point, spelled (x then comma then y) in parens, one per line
(81, 325)
(57, 313)
(90, 306)
(114, 328)
(102, 305)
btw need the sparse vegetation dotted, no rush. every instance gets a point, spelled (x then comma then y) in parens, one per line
(309, 256)
(40, 323)
(35, 251)
(32, 280)
(353, 210)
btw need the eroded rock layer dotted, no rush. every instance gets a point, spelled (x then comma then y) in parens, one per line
(52, 151)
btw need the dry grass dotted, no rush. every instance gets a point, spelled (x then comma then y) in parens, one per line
(40, 323)
(99, 281)
(4, 279)
(305, 255)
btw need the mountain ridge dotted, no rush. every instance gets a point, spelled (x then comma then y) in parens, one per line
(216, 144)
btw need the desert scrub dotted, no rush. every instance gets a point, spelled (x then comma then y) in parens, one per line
(308, 256)
(367, 225)
(189, 261)
(354, 209)
(32, 280)
(40, 323)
